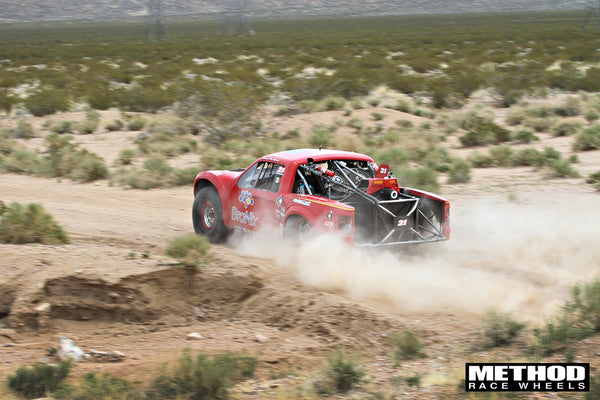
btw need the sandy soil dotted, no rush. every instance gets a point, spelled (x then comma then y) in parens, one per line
(519, 242)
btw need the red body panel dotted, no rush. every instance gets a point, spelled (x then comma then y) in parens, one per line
(251, 209)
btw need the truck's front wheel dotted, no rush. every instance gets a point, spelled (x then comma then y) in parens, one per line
(207, 215)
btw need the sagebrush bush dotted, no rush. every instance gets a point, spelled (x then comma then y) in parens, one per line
(587, 140)
(502, 155)
(126, 157)
(65, 159)
(104, 386)
(460, 172)
(499, 329)
(62, 127)
(558, 335)
(115, 125)
(38, 380)
(21, 224)
(562, 168)
(90, 123)
(423, 178)
(585, 302)
(480, 160)
(190, 250)
(567, 127)
(341, 374)
(407, 346)
(47, 101)
(201, 378)
(594, 179)
(23, 130)
(525, 136)
(529, 157)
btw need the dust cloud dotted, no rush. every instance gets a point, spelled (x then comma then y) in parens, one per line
(505, 256)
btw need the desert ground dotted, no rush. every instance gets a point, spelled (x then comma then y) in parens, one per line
(519, 242)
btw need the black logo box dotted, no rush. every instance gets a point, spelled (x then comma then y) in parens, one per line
(517, 377)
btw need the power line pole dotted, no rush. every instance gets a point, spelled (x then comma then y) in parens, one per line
(155, 25)
(591, 10)
(234, 17)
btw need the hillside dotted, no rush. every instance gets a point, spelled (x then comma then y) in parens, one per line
(14, 11)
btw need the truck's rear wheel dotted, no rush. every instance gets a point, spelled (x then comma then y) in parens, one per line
(297, 228)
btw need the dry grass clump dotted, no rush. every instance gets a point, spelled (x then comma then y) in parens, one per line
(20, 224)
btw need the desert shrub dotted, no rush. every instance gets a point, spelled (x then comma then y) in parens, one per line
(190, 250)
(126, 157)
(592, 116)
(567, 127)
(22, 161)
(29, 224)
(544, 124)
(558, 335)
(407, 346)
(502, 155)
(135, 122)
(320, 137)
(88, 167)
(562, 168)
(460, 172)
(515, 116)
(529, 157)
(155, 173)
(65, 159)
(185, 176)
(550, 153)
(377, 116)
(499, 329)
(580, 318)
(423, 178)
(90, 123)
(163, 143)
(62, 127)
(38, 380)
(594, 179)
(570, 107)
(525, 136)
(341, 374)
(587, 140)
(201, 378)
(585, 303)
(480, 160)
(23, 130)
(393, 156)
(481, 132)
(104, 386)
(333, 103)
(47, 101)
(115, 125)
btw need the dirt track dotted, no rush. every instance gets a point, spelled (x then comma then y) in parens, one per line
(105, 295)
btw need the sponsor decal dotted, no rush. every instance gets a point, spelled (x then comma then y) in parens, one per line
(527, 377)
(246, 198)
(279, 201)
(328, 224)
(243, 217)
(303, 202)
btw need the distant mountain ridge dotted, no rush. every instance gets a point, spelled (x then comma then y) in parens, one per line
(69, 10)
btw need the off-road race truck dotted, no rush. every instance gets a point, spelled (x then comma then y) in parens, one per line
(312, 191)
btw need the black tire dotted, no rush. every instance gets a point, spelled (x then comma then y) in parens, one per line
(297, 228)
(207, 214)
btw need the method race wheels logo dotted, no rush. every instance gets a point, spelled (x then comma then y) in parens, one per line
(527, 377)
(246, 198)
